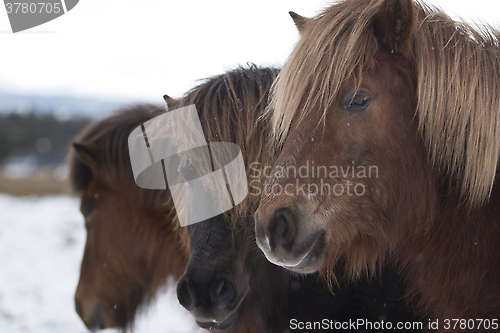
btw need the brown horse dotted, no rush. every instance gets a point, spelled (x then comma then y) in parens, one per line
(393, 108)
(134, 241)
(228, 283)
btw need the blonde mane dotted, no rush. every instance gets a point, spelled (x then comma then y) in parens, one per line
(457, 69)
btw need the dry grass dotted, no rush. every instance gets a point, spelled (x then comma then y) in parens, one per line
(40, 183)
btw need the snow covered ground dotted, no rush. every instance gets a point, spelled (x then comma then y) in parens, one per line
(41, 247)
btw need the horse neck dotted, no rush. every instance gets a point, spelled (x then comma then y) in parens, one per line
(266, 304)
(165, 241)
(454, 266)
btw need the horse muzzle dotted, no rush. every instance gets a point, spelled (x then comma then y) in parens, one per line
(287, 243)
(91, 314)
(213, 302)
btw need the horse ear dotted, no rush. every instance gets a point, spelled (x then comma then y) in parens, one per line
(394, 23)
(168, 99)
(299, 20)
(87, 153)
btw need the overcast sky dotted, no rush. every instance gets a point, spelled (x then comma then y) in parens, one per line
(135, 50)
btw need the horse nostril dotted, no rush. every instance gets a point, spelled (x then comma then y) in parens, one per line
(225, 292)
(96, 321)
(261, 237)
(78, 308)
(184, 295)
(281, 230)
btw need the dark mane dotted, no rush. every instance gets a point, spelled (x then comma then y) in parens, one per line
(229, 106)
(110, 136)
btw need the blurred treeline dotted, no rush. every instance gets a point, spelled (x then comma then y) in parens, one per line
(21, 133)
(33, 150)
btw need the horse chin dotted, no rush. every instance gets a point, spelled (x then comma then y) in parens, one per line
(304, 262)
(312, 262)
(226, 325)
(109, 319)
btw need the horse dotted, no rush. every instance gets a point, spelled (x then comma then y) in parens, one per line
(134, 241)
(228, 283)
(393, 109)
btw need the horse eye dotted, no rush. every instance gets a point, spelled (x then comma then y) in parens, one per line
(358, 102)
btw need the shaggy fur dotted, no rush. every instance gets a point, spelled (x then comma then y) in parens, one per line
(229, 107)
(456, 67)
(119, 279)
(119, 214)
(275, 296)
(433, 131)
